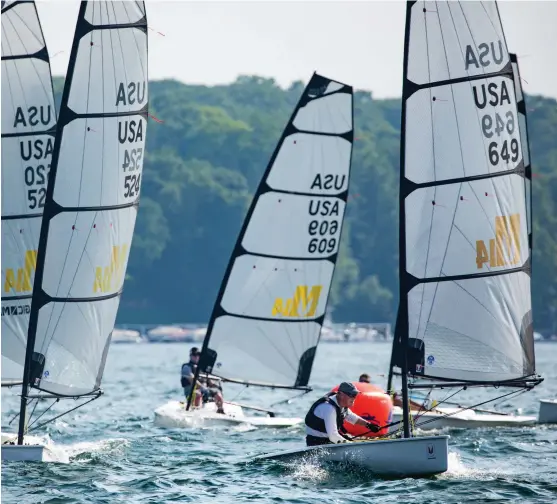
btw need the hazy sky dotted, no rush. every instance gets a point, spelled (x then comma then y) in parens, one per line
(357, 42)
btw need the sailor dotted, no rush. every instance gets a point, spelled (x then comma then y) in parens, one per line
(364, 378)
(397, 400)
(326, 416)
(202, 392)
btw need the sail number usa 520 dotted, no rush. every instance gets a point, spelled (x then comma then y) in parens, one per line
(504, 249)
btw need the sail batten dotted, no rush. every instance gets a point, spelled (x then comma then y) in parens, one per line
(91, 201)
(28, 126)
(464, 254)
(268, 315)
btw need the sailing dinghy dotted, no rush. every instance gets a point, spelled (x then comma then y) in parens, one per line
(465, 229)
(268, 315)
(90, 207)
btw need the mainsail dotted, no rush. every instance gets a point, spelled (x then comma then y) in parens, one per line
(28, 128)
(91, 201)
(267, 318)
(465, 300)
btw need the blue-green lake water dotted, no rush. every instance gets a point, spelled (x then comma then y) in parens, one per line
(118, 455)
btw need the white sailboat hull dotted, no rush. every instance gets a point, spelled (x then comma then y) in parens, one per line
(421, 456)
(28, 453)
(174, 415)
(31, 449)
(466, 419)
(548, 411)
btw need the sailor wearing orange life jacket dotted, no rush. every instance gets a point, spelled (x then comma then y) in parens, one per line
(326, 416)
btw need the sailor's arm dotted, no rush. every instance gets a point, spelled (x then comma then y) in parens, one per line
(354, 419)
(330, 419)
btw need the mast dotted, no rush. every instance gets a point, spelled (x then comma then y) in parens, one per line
(28, 128)
(91, 203)
(267, 318)
(402, 328)
(523, 125)
(395, 347)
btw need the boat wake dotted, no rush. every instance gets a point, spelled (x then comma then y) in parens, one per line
(457, 470)
(113, 446)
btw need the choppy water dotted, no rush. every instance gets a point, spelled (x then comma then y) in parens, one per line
(118, 455)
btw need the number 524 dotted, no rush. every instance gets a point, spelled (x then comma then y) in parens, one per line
(131, 185)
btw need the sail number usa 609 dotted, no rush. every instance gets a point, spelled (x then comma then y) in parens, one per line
(324, 227)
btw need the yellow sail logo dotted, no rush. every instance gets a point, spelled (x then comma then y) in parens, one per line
(504, 249)
(20, 280)
(109, 278)
(302, 304)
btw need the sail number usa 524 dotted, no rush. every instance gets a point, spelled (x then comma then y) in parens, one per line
(131, 136)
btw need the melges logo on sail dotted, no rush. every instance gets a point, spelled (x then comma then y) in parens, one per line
(302, 304)
(109, 278)
(504, 249)
(19, 280)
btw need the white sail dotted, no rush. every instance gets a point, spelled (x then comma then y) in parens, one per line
(465, 284)
(523, 124)
(28, 127)
(92, 198)
(268, 316)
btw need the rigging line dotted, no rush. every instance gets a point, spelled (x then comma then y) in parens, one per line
(102, 121)
(124, 66)
(332, 116)
(114, 73)
(32, 412)
(430, 99)
(11, 93)
(446, 398)
(425, 422)
(432, 129)
(65, 413)
(47, 340)
(488, 311)
(444, 257)
(492, 230)
(41, 415)
(276, 348)
(487, 162)
(43, 46)
(16, 241)
(286, 330)
(452, 95)
(277, 259)
(39, 40)
(139, 50)
(88, 95)
(491, 22)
